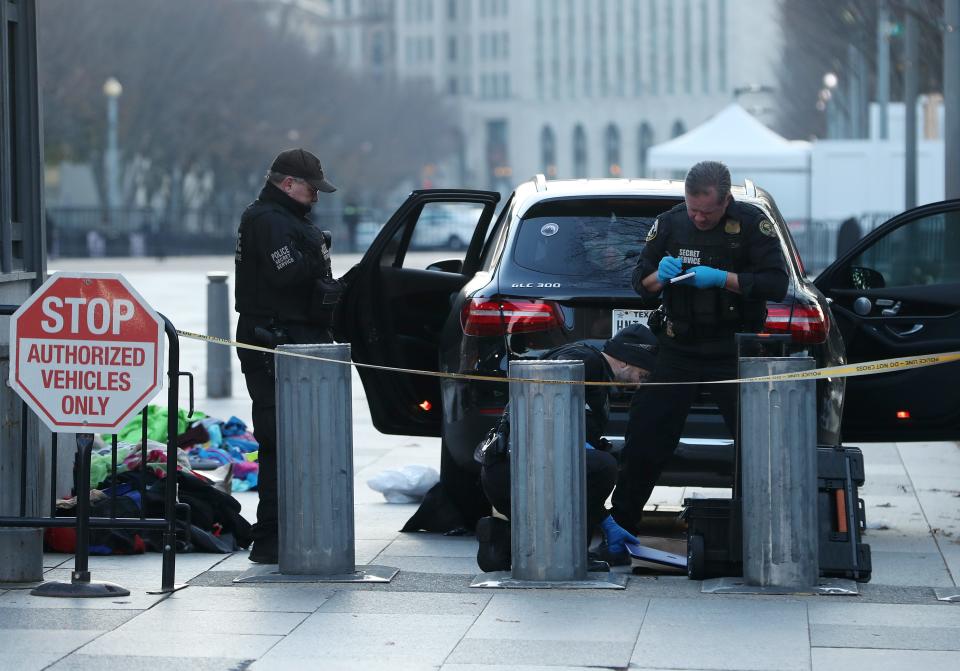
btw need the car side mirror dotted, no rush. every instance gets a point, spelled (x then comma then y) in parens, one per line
(866, 278)
(449, 266)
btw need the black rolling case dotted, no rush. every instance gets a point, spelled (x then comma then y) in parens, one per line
(714, 540)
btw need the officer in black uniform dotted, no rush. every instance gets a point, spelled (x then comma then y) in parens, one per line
(734, 253)
(285, 293)
(627, 357)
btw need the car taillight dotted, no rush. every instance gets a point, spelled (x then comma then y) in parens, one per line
(804, 323)
(482, 317)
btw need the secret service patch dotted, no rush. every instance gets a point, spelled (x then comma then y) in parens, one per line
(767, 228)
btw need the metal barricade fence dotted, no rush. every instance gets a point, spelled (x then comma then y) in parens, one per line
(80, 585)
(816, 240)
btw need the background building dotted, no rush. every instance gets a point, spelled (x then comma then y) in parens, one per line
(582, 88)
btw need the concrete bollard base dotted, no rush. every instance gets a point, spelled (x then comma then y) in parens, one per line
(21, 555)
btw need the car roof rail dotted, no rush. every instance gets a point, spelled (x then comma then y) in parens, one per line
(540, 180)
(750, 188)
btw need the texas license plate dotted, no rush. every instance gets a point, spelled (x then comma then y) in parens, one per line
(623, 318)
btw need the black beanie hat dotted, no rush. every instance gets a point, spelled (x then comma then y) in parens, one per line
(634, 345)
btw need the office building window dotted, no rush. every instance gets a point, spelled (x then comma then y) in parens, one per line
(603, 55)
(452, 49)
(687, 48)
(644, 142)
(539, 54)
(722, 45)
(451, 10)
(671, 32)
(571, 50)
(621, 76)
(611, 141)
(678, 129)
(548, 152)
(587, 50)
(636, 42)
(653, 32)
(704, 46)
(579, 152)
(499, 173)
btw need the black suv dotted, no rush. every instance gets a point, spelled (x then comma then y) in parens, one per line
(555, 267)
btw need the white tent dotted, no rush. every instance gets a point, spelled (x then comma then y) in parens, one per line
(750, 150)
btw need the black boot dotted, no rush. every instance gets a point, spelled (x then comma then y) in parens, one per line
(264, 551)
(493, 552)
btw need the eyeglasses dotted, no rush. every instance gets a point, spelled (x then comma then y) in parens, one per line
(310, 187)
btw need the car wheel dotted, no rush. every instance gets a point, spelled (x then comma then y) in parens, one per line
(696, 561)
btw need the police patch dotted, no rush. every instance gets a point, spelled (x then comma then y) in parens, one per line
(767, 228)
(732, 227)
(653, 230)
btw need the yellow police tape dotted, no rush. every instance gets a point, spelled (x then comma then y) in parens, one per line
(846, 370)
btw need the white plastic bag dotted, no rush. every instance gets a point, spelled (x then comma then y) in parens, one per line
(406, 485)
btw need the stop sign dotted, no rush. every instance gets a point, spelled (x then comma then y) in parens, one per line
(89, 352)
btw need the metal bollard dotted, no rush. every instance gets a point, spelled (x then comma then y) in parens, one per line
(315, 468)
(778, 429)
(218, 325)
(315, 461)
(548, 512)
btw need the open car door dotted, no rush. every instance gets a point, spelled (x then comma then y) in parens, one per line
(896, 293)
(398, 300)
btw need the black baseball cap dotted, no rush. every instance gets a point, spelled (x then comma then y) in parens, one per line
(301, 163)
(635, 345)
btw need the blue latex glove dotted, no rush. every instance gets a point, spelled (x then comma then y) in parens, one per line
(616, 535)
(706, 277)
(669, 268)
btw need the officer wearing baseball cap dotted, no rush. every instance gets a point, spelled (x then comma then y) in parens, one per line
(285, 293)
(628, 357)
(301, 164)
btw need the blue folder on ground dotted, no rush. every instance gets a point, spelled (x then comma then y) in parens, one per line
(644, 553)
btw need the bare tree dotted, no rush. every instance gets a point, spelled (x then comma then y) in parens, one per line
(213, 88)
(817, 37)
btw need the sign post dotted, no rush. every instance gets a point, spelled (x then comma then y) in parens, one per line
(88, 355)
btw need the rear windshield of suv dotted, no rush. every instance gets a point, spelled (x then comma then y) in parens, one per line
(591, 238)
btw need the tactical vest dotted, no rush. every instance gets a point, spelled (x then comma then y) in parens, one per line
(709, 313)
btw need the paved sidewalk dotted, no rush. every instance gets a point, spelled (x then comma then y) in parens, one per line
(429, 617)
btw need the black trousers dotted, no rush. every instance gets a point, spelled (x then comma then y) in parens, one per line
(261, 387)
(259, 373)
(601, 475)
(657, 418)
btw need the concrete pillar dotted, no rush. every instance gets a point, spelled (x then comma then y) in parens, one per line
(778, 448)
(548, 511)
(315, 461)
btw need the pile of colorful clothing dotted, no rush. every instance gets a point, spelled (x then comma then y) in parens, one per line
(223, 452)
(214, 458)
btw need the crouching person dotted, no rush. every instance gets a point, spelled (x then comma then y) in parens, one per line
(627, 357)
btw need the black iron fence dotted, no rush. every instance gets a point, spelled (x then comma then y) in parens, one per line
(95, 232)
(820, 240)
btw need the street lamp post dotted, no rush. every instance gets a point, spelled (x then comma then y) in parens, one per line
(112, 89)
(829, 102)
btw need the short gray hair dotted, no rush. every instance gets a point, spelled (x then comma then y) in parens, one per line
(276, 177)
(707, 175)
